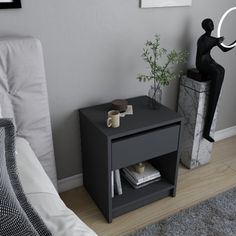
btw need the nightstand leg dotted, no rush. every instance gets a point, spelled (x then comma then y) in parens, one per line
(173, 192)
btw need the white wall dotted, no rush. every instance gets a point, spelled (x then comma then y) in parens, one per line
(92, 54)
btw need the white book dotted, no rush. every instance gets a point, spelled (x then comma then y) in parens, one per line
(131, 178)
(144, 184)
(150, 173)
(118, 187)
(112, 183)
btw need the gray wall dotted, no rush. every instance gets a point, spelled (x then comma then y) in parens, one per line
(92, 55)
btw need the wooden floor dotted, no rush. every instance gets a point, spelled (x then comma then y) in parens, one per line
(193, 186)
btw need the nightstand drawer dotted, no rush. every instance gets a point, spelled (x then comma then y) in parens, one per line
(143, 146)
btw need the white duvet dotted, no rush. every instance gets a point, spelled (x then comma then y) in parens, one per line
(59, 219)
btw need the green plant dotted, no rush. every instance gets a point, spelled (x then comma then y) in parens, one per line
(162, 72)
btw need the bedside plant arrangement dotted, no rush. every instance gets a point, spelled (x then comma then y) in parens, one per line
(161, 64)
(124, 184)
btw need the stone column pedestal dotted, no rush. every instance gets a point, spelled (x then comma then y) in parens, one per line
(192, 105)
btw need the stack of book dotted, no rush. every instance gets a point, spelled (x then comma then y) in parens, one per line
(139, 180)
(116, 183)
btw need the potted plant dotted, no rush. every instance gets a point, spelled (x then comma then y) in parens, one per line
(161, 64)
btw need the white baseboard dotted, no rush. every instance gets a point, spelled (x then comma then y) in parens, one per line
(70, 183)
(77, 180)
(225, 133)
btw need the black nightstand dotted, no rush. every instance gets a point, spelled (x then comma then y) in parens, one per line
(149, 134)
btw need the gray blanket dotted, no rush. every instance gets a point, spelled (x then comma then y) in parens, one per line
(17, 217)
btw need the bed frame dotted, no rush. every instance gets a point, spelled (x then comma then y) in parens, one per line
(23, 96)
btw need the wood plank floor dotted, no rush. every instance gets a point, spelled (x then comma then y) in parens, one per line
(194, 186)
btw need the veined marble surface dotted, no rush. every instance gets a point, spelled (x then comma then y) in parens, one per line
(192, 105)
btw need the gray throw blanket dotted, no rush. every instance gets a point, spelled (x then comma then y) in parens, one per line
(17, 217)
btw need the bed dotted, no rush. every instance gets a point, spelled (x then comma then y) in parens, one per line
(23, 99)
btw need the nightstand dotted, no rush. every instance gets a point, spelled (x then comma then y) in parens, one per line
(153, 135)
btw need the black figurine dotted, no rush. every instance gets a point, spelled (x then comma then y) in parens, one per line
(210, 70)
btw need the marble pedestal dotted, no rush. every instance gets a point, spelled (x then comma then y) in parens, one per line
(192, 105)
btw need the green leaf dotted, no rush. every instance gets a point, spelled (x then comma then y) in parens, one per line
(165, 72)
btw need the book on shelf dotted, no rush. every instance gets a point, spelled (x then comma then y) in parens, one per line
(117, 183)
(116, 186)
(150, 173)
(143, 184)
(112, 183)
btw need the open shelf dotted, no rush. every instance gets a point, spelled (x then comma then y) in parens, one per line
(134, 198)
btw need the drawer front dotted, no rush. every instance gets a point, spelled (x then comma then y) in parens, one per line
(144, 146)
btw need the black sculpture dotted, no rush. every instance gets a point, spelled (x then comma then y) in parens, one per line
(210, 70)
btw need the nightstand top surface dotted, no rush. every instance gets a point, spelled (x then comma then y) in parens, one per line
(143, 118)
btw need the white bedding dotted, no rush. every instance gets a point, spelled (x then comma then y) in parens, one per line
(59, 219)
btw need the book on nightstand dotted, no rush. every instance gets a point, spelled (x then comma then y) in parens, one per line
(143, 184)
(112, 183)
(138, 180)
(117, 183)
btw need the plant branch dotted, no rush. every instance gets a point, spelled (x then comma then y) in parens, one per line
(161, 74)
